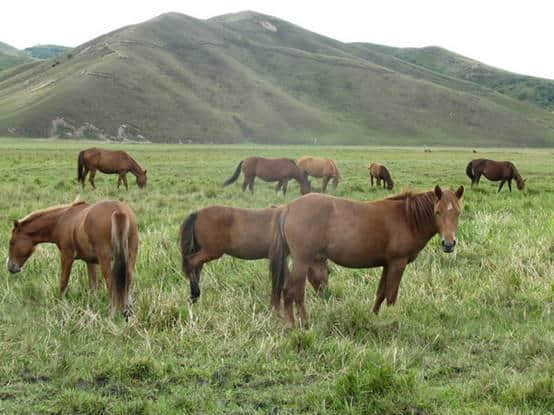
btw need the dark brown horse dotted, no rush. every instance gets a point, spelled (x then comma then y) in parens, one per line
(104, 233)
(109, 162)
(380, 172)
(279, 170)
(386, 233)
(320, 167)
(494, 171)
(211, 232)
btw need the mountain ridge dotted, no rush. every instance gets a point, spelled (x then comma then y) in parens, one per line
(249, 77)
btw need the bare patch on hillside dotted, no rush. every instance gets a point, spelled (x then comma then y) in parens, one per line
(267, 25)
(62, 128)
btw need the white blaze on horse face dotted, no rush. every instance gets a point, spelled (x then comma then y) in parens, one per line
(449, 206)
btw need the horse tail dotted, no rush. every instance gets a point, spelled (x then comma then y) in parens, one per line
(188, 247)
(278, 258)
(235, 175)
(469, 171)
(120, 267)
(81, 166)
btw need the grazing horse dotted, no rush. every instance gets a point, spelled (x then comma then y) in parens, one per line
(270, 170)
(109, 162)
(387, 233)
(210, 232)
(103, 233)
(494, 171)
(320, 167)
(380, 172)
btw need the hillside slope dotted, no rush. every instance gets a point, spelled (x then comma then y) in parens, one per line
(526, 88)
(251, 77)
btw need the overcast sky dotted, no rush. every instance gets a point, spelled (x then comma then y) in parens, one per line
(512, 35)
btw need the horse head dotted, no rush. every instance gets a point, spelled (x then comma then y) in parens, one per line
(447, 210)
(21, 248)
(141, 179)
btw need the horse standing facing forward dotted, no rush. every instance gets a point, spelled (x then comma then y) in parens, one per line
(380, 172)
(211, 232)
(270, 170)
(320, 167)
(109, 162)
(103, 233)
(494, 171)
(387, 233)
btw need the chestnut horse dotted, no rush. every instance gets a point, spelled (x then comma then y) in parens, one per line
(387, 233)
(380, 172)
(494, 171)
(109, 162)
(320, 167)
(103, 233)
(210, 232)
(270, 170)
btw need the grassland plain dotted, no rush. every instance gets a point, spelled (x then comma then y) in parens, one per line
(472, 332)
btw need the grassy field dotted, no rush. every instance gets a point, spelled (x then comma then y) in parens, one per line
(472, 332)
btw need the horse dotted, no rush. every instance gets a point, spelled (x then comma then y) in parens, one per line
(213, 231)
(320, 167)
(103, 233)
(387, 233)
(109, 162)
(494, 171)
(279, 170)
(380, 172)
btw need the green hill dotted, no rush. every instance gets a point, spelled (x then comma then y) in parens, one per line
(251, 77)
(10, 56)
(526, 88)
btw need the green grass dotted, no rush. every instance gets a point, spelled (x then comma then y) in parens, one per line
(472, 332)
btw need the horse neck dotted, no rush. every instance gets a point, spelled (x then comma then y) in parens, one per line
(420, 214)
(135, 168)
(41, 229)
(299, 175)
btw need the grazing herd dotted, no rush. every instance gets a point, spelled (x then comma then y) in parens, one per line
(309, 230)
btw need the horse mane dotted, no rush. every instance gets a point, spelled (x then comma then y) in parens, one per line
(136, 166)
(39, 213)
(419, 208)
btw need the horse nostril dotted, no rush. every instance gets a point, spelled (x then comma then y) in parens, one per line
(454, 243)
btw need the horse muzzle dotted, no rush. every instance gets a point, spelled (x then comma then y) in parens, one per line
(12, 266)
(448, 247)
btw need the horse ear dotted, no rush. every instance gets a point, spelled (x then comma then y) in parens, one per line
(460, 192)
(438, 191)
(145, 171)
(15, 223)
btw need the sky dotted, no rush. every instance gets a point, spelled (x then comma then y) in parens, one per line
(512, 35)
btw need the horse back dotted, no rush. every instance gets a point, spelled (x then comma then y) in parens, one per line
(269, 169)
(107, 161)
(242, 233)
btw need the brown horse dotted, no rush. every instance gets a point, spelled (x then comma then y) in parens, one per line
(109, 162)
(270, 170)
(103, 233)
(387, 233)
(380, 172)
(320, 167)
(210, 232)
(494, 171)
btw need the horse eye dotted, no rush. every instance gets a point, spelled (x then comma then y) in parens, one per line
(437, 213)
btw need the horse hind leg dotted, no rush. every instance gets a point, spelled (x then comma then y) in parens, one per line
(500, 187)
(510, 185)
(324, 183)
(294, 292)
(91, 178)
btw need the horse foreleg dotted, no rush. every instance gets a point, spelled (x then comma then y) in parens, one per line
(91, 270)
(251, 185)
(285, 185)
(335, 182)
(380, 295)
(67, 262)
(510, 185)
(371, 178)
(500, 187)
(124, 176)
(324, 183)
(394, 275)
